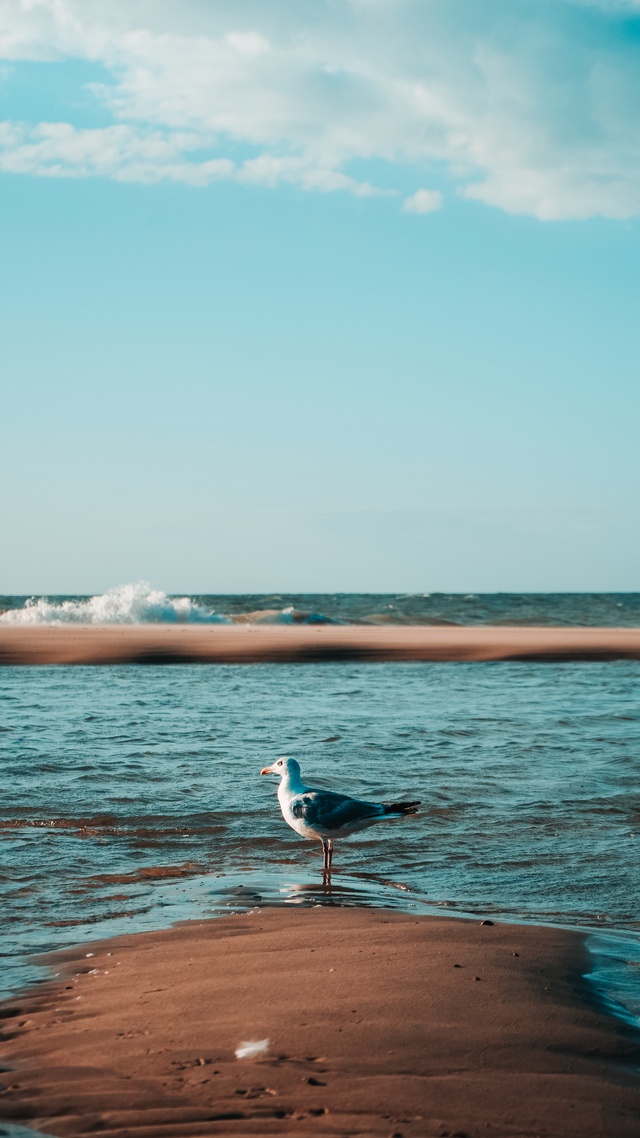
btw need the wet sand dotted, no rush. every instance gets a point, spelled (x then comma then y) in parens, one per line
(175, 644)
(378, 1023)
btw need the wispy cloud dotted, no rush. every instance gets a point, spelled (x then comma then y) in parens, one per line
(130, 154)
(423, 201)
(527, 107)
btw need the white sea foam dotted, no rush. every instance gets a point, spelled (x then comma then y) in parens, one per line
(128, 604)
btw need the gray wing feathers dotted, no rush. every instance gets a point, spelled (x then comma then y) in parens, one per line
(332, 811)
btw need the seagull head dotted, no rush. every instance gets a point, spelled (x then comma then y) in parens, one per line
(282, 767)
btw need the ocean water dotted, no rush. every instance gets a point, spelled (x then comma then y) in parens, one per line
(132, 797)
(138, 602)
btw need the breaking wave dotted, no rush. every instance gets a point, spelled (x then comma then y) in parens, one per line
(140, 604)
(128, 604)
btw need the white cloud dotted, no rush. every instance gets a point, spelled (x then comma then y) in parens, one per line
(251, 43)
(124, 153)
(423, 201)
(60, 150)
(527, 107)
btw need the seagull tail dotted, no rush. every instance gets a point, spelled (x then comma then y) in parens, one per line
(401, 807)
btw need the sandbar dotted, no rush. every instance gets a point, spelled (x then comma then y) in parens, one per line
(183, 643)
(378, 1023)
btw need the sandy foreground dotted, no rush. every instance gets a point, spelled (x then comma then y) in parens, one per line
(175, 644)
(378, 1023)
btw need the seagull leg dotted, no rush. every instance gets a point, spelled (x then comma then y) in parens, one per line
(326, 861)
(330, 845)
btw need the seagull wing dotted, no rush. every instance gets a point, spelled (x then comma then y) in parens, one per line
(332, 811)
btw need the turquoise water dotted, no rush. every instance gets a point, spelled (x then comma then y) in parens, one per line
(132, 796)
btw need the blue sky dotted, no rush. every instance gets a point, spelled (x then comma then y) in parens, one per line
(318, 296)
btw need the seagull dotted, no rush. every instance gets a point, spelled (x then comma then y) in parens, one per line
(325, 815)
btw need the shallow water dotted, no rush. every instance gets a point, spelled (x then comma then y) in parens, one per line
(132, 796)
(10, 1130)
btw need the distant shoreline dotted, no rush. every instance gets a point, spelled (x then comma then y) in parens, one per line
(202, 644)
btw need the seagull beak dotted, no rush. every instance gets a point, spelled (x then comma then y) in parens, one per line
(266, 770)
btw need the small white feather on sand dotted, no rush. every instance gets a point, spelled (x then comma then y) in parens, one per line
(250, 1048)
